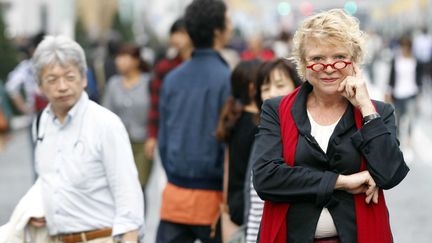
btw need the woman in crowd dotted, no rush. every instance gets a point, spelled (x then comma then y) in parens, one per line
(128, 95)
(237, 127)
(275, 78)
(405, 83)
(324, 153)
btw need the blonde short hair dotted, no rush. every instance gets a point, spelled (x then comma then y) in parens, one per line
(332, 26)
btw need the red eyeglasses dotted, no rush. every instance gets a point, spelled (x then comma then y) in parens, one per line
(317, 67)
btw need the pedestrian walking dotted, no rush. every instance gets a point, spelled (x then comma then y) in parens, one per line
(128, 95)
(89, 183)
(404, 86)
(237, 127)
(191, 99)
(179, 51)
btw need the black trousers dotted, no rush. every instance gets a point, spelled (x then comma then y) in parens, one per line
(169, 232)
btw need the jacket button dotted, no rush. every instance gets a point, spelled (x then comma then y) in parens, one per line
(337, 140)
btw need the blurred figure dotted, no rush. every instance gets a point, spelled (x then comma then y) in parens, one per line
(405, 82)
(282, 45)
(5, 116)
(275, 78)
(237, 127)
(22, 77)
(89, 183)
(180, 50)
(373, 48)
(191, 99)
(256, 51)
(422, 50)
(127, 95)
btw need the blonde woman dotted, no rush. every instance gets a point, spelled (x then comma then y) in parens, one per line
(324, 153)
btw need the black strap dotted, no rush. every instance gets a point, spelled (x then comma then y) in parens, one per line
(38, 117)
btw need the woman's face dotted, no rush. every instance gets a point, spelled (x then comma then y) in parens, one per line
(125, 63)
(280, 84)
(327, 81)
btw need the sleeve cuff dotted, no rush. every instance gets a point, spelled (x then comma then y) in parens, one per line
(369, 131)
(326, 188)
(124, 225)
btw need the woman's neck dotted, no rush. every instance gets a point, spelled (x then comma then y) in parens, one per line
(186, 53)
(326, 101)
(326, 110)
(131, 78)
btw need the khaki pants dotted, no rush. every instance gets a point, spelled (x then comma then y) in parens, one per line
(144, 165)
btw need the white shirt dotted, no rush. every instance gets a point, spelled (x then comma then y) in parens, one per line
(322, 134)
(422, 47)
(405, 77)
(89, 179)
(23, 77)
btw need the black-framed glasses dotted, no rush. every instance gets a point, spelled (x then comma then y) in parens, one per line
(317, 67)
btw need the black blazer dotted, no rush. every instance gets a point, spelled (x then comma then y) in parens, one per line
(308, 186)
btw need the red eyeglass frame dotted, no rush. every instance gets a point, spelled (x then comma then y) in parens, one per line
(326, 65)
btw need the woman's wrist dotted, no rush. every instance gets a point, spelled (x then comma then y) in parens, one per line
(368, 109)
(369, 118)
(340, 183)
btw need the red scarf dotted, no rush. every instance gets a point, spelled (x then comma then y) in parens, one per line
(372, 219)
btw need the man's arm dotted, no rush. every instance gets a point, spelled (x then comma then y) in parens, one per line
(123, 181)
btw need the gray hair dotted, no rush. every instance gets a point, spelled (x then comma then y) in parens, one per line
(58, 50)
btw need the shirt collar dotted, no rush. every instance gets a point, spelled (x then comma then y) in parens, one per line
(74, 111)
(197, 52)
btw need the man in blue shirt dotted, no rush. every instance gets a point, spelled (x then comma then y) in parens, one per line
(191, 98)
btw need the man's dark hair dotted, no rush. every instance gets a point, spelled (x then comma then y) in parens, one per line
(202, 18)
(178, 25)
(36, 39)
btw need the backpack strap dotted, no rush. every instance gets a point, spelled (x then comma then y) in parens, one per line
(36, 125)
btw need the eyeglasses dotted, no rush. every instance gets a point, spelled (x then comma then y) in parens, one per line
(317, 67)
(54, 80)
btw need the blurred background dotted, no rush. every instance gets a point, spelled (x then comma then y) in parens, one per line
(101, 25)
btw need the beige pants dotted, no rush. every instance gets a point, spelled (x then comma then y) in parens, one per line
(108, 239)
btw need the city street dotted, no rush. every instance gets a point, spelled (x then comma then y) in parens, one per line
(409, 203)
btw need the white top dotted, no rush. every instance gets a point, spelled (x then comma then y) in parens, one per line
(89, 179)
(405, 77)
(422, 47)
(322, 134)
(23, 77)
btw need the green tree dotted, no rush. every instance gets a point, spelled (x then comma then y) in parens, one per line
(9, 54)
(124, 28)
(81, 35)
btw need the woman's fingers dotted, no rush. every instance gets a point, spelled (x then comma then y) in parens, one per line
(375, 196)
(342, 85)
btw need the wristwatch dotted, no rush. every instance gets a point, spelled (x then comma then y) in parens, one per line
(369, 118)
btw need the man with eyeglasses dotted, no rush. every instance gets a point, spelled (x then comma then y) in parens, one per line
(89, 183)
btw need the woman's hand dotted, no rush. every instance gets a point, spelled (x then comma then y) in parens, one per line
(149, 148)
(361, 182)
(355, 90)
(37, 222)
